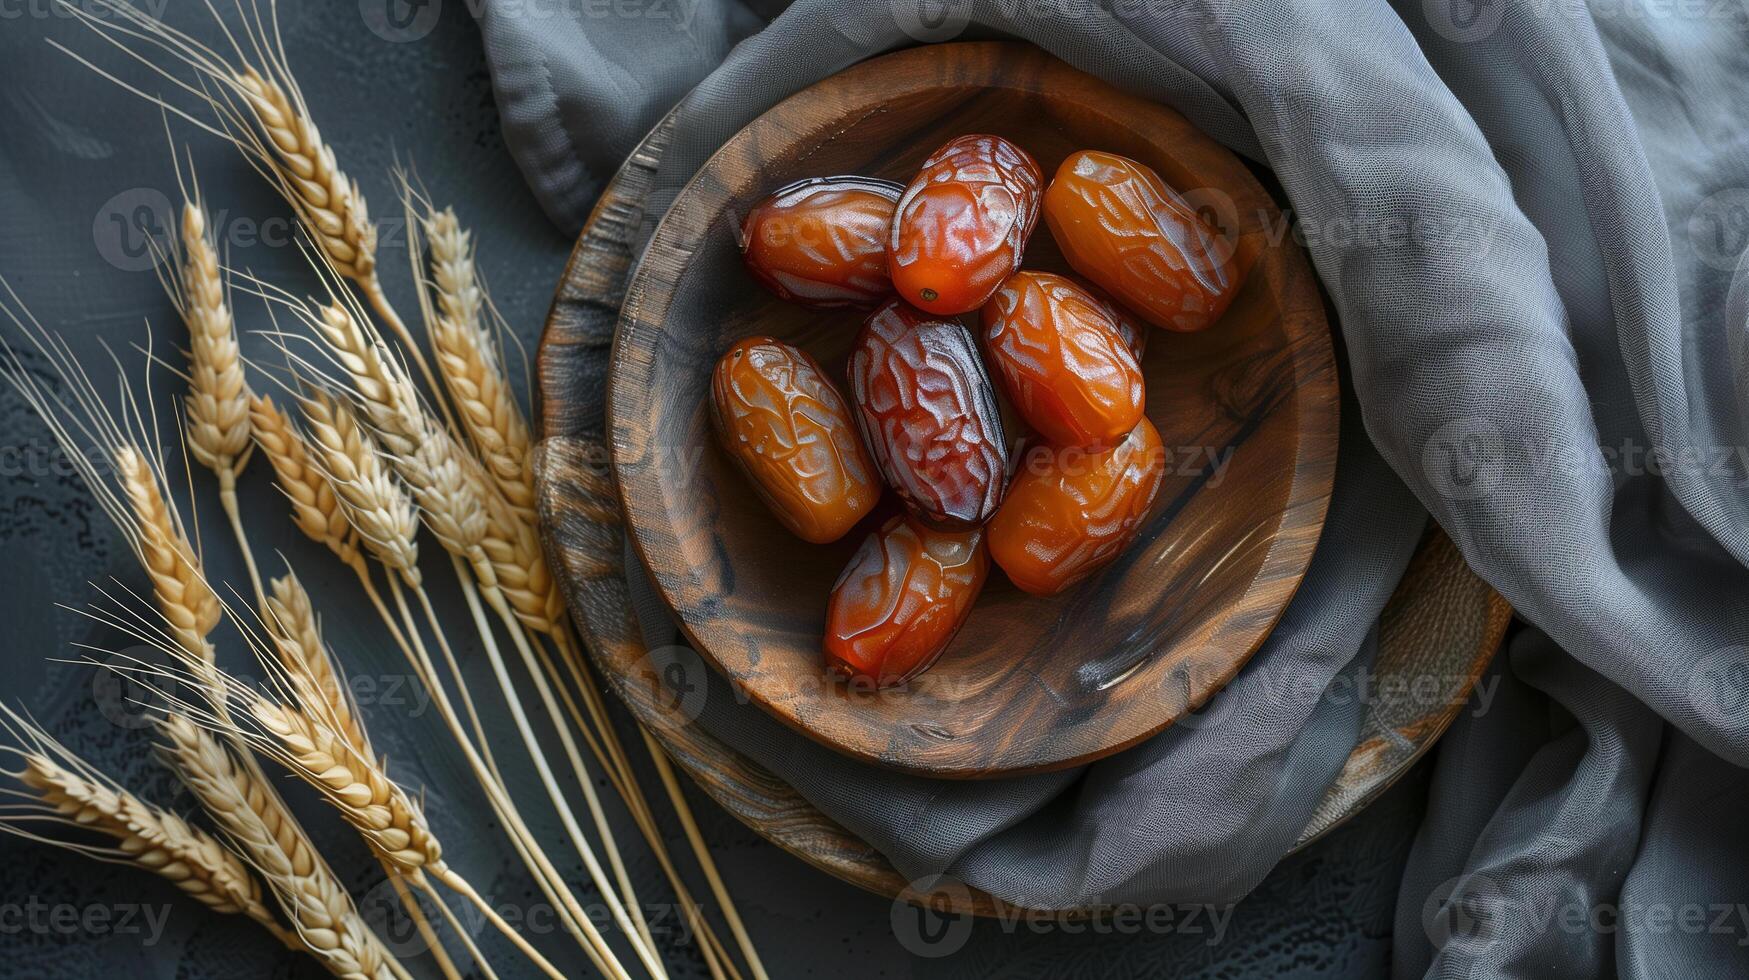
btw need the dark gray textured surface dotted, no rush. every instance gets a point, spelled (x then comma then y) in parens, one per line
(78, 158)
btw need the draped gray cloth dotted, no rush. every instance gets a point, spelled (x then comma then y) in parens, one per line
(1532, 220)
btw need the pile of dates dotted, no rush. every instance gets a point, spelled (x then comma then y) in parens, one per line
(923, 416)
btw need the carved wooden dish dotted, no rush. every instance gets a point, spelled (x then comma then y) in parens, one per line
(1247, 411)
(1436, 635)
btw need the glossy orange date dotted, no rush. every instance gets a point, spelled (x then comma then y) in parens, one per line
(789, 431)
(1119, 225)
(1129, 326)
(1069, 513)
(1062, 361)
(962, 224)
(822, 242)
(929, 415)
(901, 599)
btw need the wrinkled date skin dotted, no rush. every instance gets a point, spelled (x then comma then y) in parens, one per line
(1062, 360)
(1069, 513)
(1119, 225)
(929, 415)
(963, 223)
(1129, 326)
(901, 599)
(822, 243)
(789, 431)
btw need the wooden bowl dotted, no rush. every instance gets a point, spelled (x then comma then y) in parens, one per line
(1247, 411)
(1436, 635)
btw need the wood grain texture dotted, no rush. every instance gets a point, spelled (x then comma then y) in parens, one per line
(1439, 632)
(1247, 413)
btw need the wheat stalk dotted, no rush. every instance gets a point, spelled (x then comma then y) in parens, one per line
(468, 361)
(217, 404)
(473, 371)
(183, 596)
(304, 657)
(315, 509)
(255, 819)
(74, 793)
(374, 503)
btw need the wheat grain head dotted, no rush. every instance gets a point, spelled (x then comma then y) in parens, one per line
(315, 509)
(375, 504)
(217, 403)
(254, 818)
(183, 596)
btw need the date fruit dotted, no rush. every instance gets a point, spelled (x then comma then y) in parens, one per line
(822, 242)
(1119, 225)
(1062, 361)
(1129, 326)
(1069, 513)
(901, 599)
(928, 415)
(789, 431)
(963, 223)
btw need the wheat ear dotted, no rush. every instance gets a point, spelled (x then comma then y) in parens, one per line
(74, 793)
(468, 361)
(461, 508)
(374, 503)
(254, 818)
(217, 403)
(473, 372)
(186, 601)
(315, 509)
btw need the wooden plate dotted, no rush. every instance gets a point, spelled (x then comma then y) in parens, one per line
(1247, 411)
(1436, 636)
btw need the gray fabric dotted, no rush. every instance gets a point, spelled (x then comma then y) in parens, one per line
(1549, 361)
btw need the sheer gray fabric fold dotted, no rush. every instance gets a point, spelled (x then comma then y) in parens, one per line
(1531, 220)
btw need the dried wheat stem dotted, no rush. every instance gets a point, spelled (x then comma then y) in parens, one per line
(461, 930)
(666, 772)
(473, 373)
(253, 816)
(537, 671)
(546, 876)
(330, 204)
(616, 908)
(316, 684)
